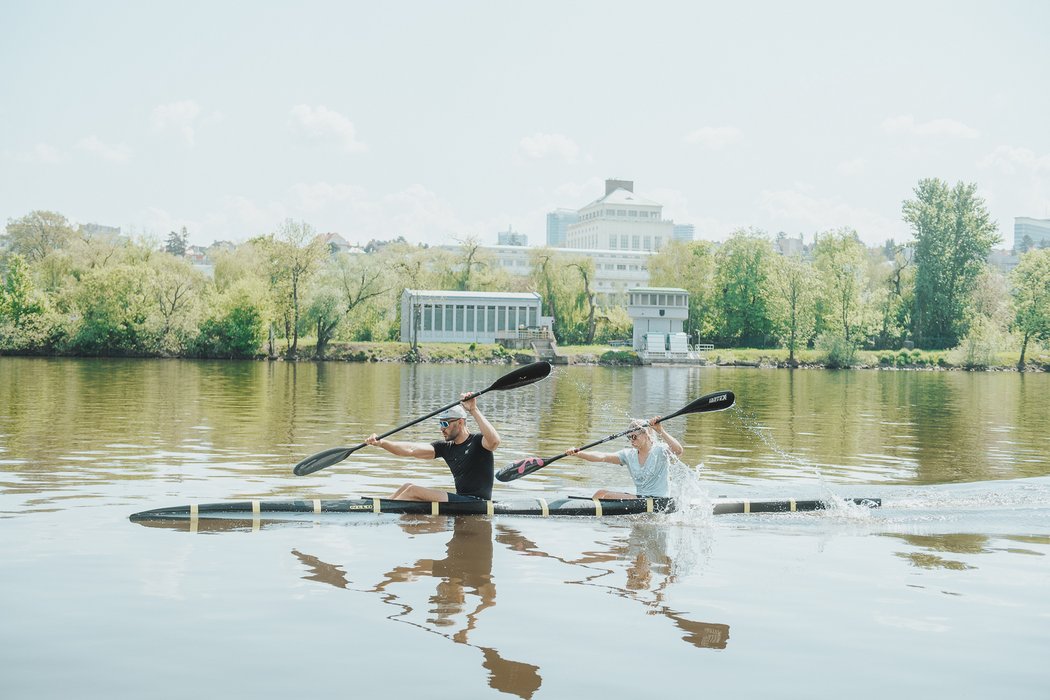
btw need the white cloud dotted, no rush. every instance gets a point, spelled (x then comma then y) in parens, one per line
(906, 124)
(715, 137)
(540, 146)
(1010, 161)
(115, 152)
(574, 195)
(321, 123)
(317, 195)
(45, 153)
(1024, 188)
(795, 209)
(179, 116)
(854, 166)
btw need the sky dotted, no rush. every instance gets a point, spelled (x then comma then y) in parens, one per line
(442, 121)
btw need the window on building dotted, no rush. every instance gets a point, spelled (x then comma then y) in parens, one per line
(501, 322)
(648, 242)
(621, 212)
(448, 317)
(490, 319)
(471, 311)
(632, 213)
(623, 241)
(460, 313)
(428, 316)
(612, 242)
(533, 320)
(635, 242)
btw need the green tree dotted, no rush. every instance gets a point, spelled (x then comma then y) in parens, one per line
(894, 296)
(559, 281)
(954, 234)
(112, 306)
(38, 234)
(24, 322)
(840, 260)
(235, 325)
(792, 306)
(744, 264)
(177, 243)
(1031, 299)
(293, 254)
(689, 265)
(346, 284)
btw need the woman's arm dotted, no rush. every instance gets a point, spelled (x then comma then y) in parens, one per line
(610, 457)
(676, 447)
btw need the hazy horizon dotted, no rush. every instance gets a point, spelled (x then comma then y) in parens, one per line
(441, 121)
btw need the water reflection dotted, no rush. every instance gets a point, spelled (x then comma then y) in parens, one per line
(463, 590)
(464, 586)
(650, 571)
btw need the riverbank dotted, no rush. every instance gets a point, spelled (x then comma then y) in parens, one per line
(1037, 360)
(603, 355)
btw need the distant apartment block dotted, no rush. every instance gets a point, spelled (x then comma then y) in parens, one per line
(684, 232)
(558, 222)
(788, 246)
(512, 237)
(621, 220)
(615, 271)
(1036, 230)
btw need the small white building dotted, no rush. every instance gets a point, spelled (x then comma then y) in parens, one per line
(438, 316)
(659, 315)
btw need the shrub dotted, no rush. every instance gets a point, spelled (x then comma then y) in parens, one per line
(837, 352)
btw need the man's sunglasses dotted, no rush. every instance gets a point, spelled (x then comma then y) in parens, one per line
(446, 423)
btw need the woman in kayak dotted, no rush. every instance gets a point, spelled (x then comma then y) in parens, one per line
(647, 459)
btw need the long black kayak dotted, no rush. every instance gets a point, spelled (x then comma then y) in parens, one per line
(561, 505)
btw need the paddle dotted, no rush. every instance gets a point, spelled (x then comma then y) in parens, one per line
(718, 401)
(522, 376)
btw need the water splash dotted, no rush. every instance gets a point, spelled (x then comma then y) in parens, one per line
(837, 506)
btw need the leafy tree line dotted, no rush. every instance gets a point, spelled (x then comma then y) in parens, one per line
(67, 293)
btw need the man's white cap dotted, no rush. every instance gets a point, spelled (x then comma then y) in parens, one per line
(453, 413)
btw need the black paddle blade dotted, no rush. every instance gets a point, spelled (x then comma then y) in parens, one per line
(716, 401)
(523, 467)
(522, 376)
(319, 461)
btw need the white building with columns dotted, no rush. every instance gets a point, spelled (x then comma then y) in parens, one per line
(621, 220)
(440, 316)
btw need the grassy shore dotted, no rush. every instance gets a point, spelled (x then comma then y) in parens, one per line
(482, 353)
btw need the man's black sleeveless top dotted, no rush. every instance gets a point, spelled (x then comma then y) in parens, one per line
(471, 465)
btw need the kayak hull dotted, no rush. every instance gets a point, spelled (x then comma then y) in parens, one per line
(563, 505)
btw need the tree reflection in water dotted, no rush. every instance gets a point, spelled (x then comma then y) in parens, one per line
(465, 585)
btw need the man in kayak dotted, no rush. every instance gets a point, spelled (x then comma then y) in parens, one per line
(646, 459)
(468, 455)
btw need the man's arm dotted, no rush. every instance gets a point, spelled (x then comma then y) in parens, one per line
(419, 450)
(489, 437)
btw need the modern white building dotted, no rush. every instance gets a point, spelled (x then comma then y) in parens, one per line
(621, 220)
(558, 222)
(659, 315)
(684, 232)
(1037, 231)
(438, 316)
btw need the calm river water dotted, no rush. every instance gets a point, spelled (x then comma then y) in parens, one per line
(944, 592)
